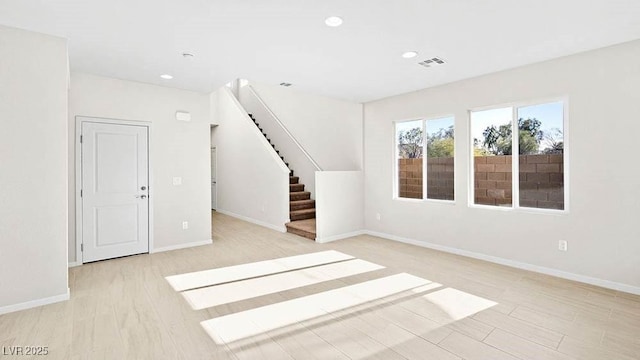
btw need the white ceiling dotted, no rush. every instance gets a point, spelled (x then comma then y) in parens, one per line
(275, 41)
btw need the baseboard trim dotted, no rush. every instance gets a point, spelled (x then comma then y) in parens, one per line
(512, 263)
(182, 246)
(327, 239)
(35, 303)
(74, 264)
(281, 229)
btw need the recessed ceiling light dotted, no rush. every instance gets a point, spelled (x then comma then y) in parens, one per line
(333, 21)
(285, 84)
(409, 54)
(188, 55)
(166, 76)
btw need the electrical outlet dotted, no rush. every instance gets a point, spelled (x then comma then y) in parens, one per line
(378, 216)
(562, 245)
(185, 225)
(177, 181)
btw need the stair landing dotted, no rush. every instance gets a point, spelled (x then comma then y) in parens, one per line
(302, 210)
(305, 228)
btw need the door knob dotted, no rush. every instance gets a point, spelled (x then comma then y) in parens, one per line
(143, 188)
(141, 196)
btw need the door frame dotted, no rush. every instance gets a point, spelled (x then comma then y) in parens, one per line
(78, 174)
(211, 177)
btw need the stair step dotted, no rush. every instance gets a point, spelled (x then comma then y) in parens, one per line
(302, 214)
(296, 187)
(304, 228)
(300, 195)
(302, 204)
(293, 179)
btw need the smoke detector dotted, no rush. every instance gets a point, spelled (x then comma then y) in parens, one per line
(434, 61)
(333, 21)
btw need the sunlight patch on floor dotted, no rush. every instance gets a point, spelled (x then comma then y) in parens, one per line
(458, 304)
(241, 290)
(223, 275)
(234, 327)
(417, 306)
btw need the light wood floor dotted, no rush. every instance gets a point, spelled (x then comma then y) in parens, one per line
(125, 309)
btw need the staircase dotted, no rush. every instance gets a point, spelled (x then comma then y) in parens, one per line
(302, 209)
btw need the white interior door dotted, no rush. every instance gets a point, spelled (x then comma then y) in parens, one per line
(214, 194)
(115, 196)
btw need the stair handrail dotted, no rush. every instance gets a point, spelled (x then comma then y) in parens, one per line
(284, 128)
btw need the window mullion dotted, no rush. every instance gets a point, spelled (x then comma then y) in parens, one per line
(515, 159)
(396, 161)
(424, 160)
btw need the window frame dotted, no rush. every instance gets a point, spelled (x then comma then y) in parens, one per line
(396, 156)
(515, 163)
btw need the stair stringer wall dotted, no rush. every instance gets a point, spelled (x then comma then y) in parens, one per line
(340, 205)
(298, 160)
(329, 129)
(252, 180)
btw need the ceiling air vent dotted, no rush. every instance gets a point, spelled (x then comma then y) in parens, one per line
(432, 62)
(285, 84)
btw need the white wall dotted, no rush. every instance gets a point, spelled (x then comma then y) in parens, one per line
(293, 153)
(252, 181)
(214, 113)
(178, 149)
(339, 204)
(602, 226)
(330, 130)
(33, 169)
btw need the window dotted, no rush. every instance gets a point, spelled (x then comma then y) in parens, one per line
(440, 159)
(491, 130)
(536, 134)
(410, 146)
(430, 158)
(541, 164)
